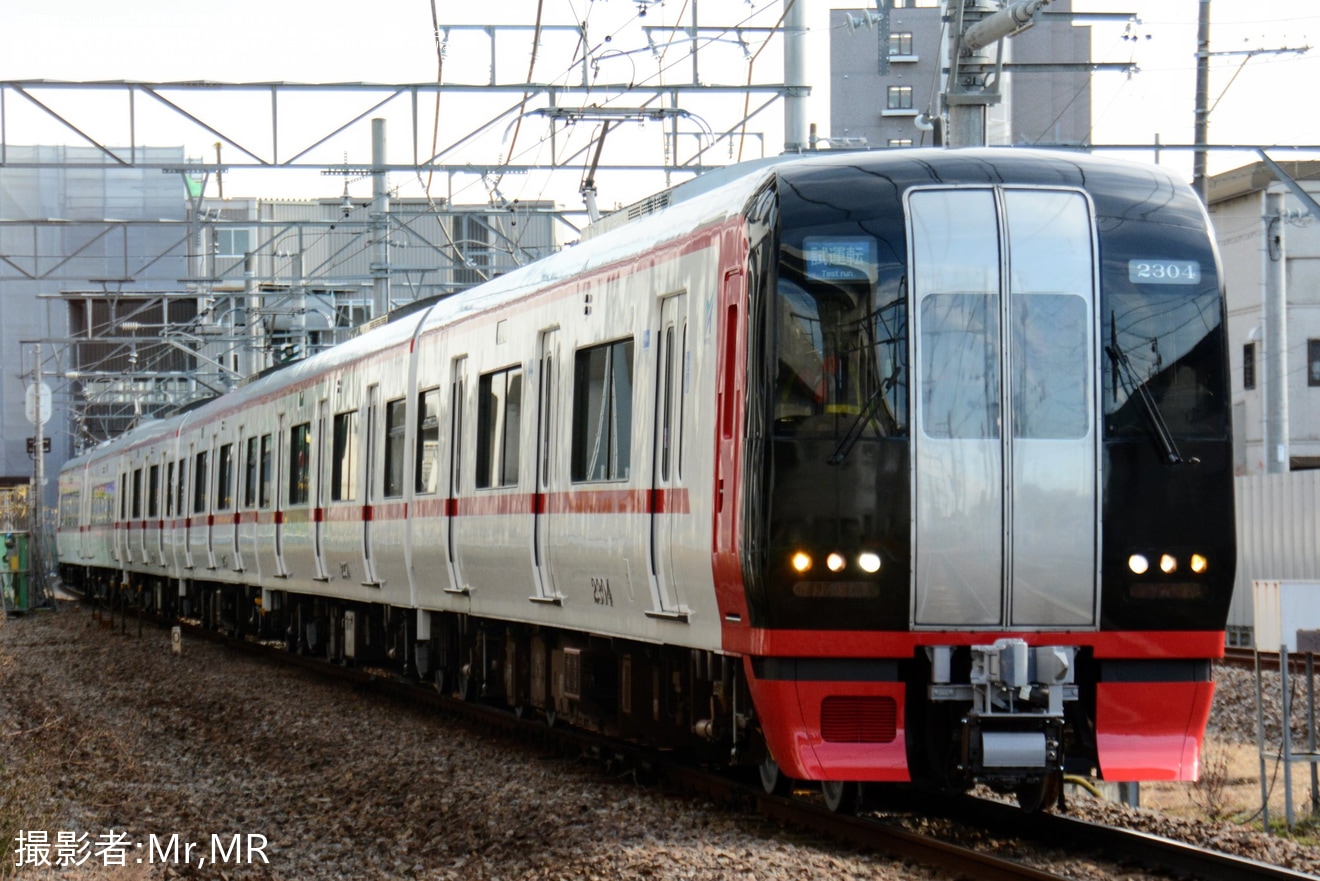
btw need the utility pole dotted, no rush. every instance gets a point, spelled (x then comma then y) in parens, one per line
(1275, 294)
(380, 222)
(974, 78)
(795, 76)
(1199, 133)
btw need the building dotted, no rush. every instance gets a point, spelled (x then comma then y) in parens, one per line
(886, 78)
(1269, 239)
(1250, 240)
(82, 240)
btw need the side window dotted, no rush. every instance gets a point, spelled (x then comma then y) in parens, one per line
(200, 475)
(250, 472)
(300, 463)
(602, 412)
(267, 476)
(396, 429)
(181, 488)
(499, 420)
(224, 478)
(137, 493)
(343, 458)
(153, 492)
(428, 441)
(123, 496)
(169, 489)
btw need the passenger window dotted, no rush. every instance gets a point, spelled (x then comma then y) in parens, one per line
(137, 493)
(428, 442)
(267, 478)
(300, 463)
(396, 429)
(250, 472)
(343, 459)
(499, 422)
(153, 492)
(602, 412)
(224, 478)
(200, 475)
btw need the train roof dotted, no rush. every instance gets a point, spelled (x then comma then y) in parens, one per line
(1116, 187)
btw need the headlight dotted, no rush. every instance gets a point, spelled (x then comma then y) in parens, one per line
(1168, 564)
(1138, 564)
(869, 562)
(835, 562)
(1199, 564)
(801, 561)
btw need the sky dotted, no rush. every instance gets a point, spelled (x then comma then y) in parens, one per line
(392, 41)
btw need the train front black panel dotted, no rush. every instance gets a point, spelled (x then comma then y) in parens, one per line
(1120, 373)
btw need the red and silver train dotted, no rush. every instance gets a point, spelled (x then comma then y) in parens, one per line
(881, 466)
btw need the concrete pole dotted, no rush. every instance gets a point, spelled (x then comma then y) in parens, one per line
(38, 457)
(379, 222)
(1276, 336)
(1201, 128)
(795, 76)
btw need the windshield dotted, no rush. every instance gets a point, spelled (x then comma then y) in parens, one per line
(1162, 311)
(841, 343)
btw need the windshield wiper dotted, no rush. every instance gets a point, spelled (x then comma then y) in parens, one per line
(1133, 385)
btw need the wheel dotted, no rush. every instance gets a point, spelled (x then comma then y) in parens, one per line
(551, 717)
(840, 795)
(1041, 794)
(773, 780)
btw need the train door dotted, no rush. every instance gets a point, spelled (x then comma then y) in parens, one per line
(322, 481)
(457, 395)
(665, 472)
(546, 427)
(1005, 455)
(138, 553)
(122, 530)
(369, 470)
(277, 496)
(185, 507)
(157, 509)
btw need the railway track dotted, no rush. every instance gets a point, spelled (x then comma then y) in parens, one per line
(878, 832)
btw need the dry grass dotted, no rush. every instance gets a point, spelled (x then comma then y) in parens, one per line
(1229, 789)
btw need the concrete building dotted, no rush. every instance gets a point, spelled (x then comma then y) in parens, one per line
(1251, 241)
(885, 79)
(76, 226)
(1269, 244)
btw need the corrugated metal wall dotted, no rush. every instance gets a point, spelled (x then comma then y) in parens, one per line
(1278, 526)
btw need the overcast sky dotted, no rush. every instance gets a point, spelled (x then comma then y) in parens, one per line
(391, 41)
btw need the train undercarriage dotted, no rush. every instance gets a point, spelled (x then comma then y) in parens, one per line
(1001, 714)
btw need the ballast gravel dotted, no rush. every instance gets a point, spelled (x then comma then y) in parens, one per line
(115, 755)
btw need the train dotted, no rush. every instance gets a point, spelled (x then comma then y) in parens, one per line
(850, 467)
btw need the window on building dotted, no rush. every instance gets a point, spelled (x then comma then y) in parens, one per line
(1313, 362)
(602, 412)
(899, 98)
(1249, 366)
(224, 478)
(499, 420)
(428, 441)
(900, 142)
(900, 43)
(343, 459)
(396, 429)
(232, 242)
(300, 464)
